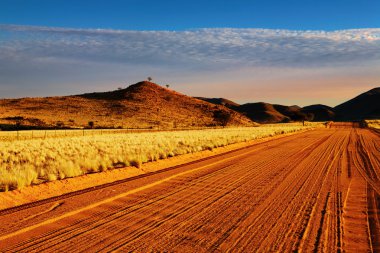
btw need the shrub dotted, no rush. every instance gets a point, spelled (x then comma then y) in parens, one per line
(25, 162)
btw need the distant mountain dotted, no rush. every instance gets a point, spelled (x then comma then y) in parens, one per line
(364, 106)
(317, 106)
(293, 112)
(262, 113)
(272, 113)
(148, 105)
(319, 112)
(144, 104)
(220, 101)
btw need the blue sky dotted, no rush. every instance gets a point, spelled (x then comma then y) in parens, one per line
(182, 15)
(287, 52)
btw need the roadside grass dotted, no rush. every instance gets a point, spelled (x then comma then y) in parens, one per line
(373, 123)
(28, 162)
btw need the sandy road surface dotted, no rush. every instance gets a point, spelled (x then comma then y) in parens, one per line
(317, 191)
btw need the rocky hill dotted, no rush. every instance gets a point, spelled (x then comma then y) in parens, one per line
(364, 106)
(220, 101)
(142, 105)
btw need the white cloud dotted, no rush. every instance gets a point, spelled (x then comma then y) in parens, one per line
(211, 48)
(36, 55)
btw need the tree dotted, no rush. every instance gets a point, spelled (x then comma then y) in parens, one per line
(167, 86)
(60, 124)
(17, 120)
(18, 124)
(91, 124)
(150, 78)
(310, 116)
(223, 117)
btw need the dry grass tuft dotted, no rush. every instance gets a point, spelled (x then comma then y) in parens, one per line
(27, 162)
(373, 123)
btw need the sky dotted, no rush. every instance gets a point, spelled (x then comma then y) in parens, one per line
(286, 52)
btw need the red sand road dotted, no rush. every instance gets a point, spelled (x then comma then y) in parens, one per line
(313, 191)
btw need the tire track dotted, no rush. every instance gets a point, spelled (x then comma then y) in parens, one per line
(282, 195)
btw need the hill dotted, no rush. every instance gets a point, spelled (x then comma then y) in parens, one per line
(319, 112)
(364, 106)
(220, 101)
(144, 104)
(262, 113)
(148, 105)
(292, 112)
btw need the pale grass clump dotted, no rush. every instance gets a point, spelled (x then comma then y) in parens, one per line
(26, 162)
(373, 123)
(18, 178)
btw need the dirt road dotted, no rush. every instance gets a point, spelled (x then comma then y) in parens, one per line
(317, 191)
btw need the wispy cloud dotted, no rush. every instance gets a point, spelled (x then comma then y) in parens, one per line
(26, 50)
(224, 47)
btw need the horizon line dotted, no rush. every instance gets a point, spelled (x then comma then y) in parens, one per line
(240, 103)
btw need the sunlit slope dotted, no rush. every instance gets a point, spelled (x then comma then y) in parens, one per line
(144, 104)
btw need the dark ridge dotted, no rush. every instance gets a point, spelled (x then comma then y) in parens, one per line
(220, 101)
(364, 106)
(262, 112)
